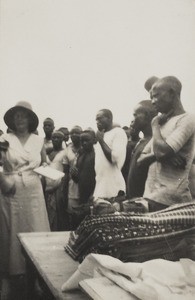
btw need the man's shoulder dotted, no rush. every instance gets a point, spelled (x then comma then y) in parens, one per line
(187, 120)
(61, 153)
(186, 117)
(68, 149)
(118, 131)
(182, 120)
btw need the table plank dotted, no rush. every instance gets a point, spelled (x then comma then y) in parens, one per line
(54, 265)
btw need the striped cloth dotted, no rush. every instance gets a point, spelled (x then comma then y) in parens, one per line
(168, 234)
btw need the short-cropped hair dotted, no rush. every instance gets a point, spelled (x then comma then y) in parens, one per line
(49, 120)
(107, 113)
(149, 108)
(172, 83)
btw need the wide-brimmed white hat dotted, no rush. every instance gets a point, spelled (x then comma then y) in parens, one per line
(9, 115)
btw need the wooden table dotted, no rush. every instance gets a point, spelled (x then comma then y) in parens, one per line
(46, 253)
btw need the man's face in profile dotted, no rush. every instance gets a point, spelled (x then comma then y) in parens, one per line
(161, 99)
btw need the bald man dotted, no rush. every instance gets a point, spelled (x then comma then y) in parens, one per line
(171, 149)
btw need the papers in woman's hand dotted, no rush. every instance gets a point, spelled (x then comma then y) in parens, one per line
(49, 172)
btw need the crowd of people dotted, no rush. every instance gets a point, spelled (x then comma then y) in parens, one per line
(150, 160)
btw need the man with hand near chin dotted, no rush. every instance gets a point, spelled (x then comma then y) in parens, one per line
(110, 153)
(171, 149)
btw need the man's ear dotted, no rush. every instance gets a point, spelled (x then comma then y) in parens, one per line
(148, 116)
(172, 93)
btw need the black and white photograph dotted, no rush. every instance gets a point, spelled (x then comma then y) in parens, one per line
(97, 149)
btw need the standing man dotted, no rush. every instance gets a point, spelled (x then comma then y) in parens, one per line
(110, 152)
(48, 127)
(171, 150)
(66, 133)
(54, 194)
(133, 138)
(71, 175)
(144, 112)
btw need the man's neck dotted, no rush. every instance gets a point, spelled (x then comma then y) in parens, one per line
(48, 137)
(177, 110)
(109, 127)
(147, 132)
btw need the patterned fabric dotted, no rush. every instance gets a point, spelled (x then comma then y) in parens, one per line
(137, 237)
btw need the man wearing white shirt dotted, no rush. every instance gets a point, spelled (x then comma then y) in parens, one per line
(171, 150)
(110, 152)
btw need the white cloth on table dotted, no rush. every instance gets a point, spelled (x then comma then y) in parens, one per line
(156, 279)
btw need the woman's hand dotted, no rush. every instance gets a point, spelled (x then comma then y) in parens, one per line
(7, 185)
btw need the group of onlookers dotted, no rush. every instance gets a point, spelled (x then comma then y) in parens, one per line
(154, 167)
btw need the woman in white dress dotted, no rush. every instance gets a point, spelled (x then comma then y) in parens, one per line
(22, 203)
